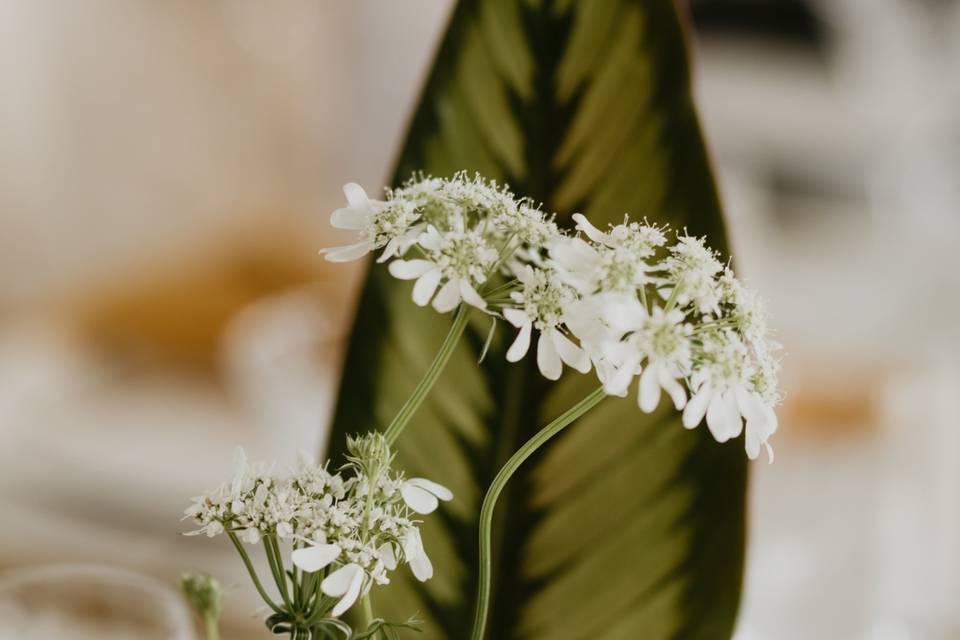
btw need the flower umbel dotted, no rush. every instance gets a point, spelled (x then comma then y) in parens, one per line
(346, 531)
(626, 301)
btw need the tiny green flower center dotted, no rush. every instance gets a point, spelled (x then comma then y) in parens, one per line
(545, 301)
(667, 340)
(619, 270)
(390, 222)
(466, 255)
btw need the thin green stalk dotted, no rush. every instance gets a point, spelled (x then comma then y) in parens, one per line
(393, 430)
(276, 567)
(213, 631)
(497, 486)
(307, 588)
(506, 286)
(366, 612)
(672, 300)
(295, 580)
(318, 611)
(253, 572)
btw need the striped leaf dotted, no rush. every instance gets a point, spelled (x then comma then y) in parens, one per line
(626, 526)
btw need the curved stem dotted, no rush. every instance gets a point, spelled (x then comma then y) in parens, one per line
(253, 572)
(496, 487)
(430, 377)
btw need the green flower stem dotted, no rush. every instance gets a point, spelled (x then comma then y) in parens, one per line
(672, 300)
(393, 430)
(307, 589)
(318, 612)
(253, 572)
(276, 567)
(366, 612)
(295, 581)
(496, 487)
(213, 630)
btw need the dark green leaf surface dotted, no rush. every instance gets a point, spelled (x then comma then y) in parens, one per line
(627, 526)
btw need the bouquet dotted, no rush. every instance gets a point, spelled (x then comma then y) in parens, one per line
(647, 310)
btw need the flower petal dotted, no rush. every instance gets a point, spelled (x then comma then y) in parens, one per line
(387, 556)
(425, 287)
(349, 218)
(717, 418)
(422, 567)
(573, 254)
(697, 407)
(734, 422)
(418, 498)
(435, 488)
(521, 345)
(348, 252)
(570, 353)
(449, 297)
(352, 593)
(769, 452)
(410, 269)
(752, 442)
(416, 556)
(516, 317)
(591, 231)
(619, 382)
(470, 295)
(669, 384)
(622, 312)
(430, 239)
(389, 250)
(314, 558)
(649, 396)
(548, 360)
(355, 194)
(339, 582)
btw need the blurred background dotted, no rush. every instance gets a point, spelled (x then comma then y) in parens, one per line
(165, 178)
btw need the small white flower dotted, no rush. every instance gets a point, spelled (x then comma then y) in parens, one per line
(462, 258)
(423, 495)
(692, 268)
(528, 226)
(390, 225)
(543, 302)
(356, 216)
(725, 409)
(668, 358)
(345, 583)
(614, 263)
(726, 392)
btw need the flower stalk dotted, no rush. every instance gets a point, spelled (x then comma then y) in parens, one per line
(496, 488)
(396, 426)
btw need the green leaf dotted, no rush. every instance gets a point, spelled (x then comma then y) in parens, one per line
(626, 525)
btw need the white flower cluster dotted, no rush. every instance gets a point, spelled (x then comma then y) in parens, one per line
(355, 526)
(625, 301)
